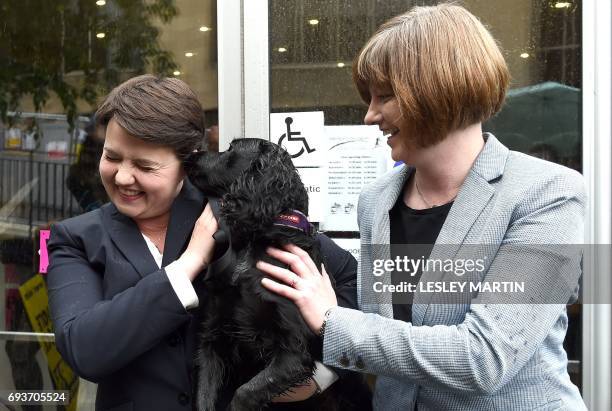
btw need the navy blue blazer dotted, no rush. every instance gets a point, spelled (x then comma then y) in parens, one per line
(117, 320)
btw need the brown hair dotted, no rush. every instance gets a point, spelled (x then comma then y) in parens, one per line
(443, 66)
(159, 110)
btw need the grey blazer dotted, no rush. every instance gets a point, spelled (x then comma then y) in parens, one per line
(477, 354)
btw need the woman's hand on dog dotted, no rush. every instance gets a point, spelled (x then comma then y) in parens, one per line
(201, 245)
(311, 291)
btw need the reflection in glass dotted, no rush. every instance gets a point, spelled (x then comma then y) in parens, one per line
(78, 50)
(541, 43)
(549, 125)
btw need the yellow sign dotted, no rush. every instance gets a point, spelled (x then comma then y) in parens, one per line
(36, 302)
(13, 138)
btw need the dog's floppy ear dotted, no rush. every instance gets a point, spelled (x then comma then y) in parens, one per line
(207, 172)
(269, 187)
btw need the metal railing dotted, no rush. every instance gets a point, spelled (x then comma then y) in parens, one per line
(33, 188)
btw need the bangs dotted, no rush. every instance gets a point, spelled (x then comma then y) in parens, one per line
(371, 68)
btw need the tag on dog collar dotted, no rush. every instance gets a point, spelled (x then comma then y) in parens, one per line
(296, 220)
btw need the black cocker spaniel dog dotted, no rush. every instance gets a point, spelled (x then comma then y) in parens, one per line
(254, 344)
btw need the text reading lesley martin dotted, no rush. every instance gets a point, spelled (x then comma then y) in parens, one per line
(459, 267)
(450, 287)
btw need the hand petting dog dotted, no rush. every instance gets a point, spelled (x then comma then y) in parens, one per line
(311, 291)
(199, 252)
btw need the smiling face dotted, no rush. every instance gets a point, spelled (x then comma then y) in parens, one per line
(142, 179)
(384, 111)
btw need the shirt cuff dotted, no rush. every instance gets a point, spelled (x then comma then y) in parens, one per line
(182, 286)
(323, 376)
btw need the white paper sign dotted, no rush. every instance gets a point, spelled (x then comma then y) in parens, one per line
(303, 136)
(314, 180)
(356, 156)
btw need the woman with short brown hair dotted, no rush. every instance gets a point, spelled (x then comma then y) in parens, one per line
(120, 277)
(431, 76)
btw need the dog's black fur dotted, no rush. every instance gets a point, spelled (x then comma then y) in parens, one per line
(254, 345)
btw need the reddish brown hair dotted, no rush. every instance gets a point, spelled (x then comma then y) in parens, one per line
(442, 65)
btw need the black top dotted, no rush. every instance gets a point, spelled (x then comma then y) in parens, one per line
(420, 229)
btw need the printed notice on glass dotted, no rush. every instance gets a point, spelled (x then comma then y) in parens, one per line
(356, 156)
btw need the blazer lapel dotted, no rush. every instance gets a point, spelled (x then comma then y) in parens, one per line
(381, 228)
(185, 211)
(473, 198)
(129, 241)
(381, 234)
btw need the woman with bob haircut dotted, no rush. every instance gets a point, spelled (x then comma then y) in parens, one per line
(431, 77)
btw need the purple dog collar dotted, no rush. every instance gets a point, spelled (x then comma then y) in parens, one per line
(295, 220)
